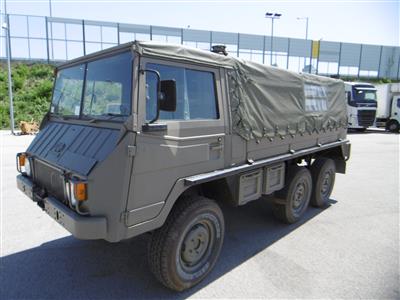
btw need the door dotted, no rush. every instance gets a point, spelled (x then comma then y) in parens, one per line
(396, 108)
(192, 142)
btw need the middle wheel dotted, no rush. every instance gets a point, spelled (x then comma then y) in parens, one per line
(292, 201)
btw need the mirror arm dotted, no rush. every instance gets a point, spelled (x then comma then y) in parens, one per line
(142, 71)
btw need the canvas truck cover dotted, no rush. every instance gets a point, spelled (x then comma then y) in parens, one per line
(267, 101)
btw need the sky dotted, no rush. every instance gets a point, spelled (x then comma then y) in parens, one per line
(357, 21)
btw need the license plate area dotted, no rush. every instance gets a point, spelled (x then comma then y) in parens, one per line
(55, 213)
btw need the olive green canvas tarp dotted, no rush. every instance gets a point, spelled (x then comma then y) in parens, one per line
(267, 101)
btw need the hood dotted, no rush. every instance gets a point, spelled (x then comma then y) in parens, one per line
(72, 147)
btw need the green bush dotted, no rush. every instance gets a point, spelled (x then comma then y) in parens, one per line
(32, 88)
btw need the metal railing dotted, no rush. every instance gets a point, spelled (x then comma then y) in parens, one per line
(50, 39)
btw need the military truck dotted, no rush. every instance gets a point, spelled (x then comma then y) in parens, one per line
(151, 138)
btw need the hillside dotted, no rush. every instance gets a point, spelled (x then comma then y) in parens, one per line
(32, 87)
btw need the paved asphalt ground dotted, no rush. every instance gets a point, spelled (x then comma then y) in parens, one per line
(347, 250)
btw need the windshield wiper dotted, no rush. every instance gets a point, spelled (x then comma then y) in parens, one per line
(113, 116)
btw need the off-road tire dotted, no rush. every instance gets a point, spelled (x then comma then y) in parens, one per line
(287, 207)
(323, 171)
(193, 222)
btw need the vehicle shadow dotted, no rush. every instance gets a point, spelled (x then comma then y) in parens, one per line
(69, 268)
(369, 131)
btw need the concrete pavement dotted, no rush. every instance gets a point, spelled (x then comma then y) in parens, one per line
(347, 250)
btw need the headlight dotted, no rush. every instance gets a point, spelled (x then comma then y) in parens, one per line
(28, 169)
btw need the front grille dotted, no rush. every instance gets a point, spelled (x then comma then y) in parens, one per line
(366, 118)
(50, 179)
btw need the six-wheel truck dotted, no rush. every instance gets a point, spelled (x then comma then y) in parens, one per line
(145, 137)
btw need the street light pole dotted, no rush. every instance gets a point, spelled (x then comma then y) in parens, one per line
(6, 27)
(272, 16)
(305, 18)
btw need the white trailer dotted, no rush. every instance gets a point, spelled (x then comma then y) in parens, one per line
(388, 111)
(361, 105)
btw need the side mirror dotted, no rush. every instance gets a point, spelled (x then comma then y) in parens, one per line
(168, 95)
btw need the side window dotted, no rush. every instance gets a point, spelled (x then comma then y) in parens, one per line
(316, 99)
(398, 102)
(196, 97)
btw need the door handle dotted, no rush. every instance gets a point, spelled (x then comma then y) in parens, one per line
(216, 146)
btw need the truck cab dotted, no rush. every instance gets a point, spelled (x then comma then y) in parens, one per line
(361, 105)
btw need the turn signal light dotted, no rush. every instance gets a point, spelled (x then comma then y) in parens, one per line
(80, 191)
(21, 160)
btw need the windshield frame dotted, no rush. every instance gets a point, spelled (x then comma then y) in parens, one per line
(85, 60)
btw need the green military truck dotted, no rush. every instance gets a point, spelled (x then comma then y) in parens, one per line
(150, 138)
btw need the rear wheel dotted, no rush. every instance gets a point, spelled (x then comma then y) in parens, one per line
(323, 172)
(186, 248)
(291, 202)
(393, 126)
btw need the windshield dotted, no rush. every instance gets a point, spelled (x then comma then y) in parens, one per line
(107, 89)
(364, 94)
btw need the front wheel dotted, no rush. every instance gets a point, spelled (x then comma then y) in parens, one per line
(186, 248)
(393, 126)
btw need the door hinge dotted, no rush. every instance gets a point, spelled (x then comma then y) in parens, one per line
(124, 217)
(131, 151)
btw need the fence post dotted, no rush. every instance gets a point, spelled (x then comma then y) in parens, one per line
(288, 54)
(263, 59)
(47, 41)
(151, 32)
(181, 36)
(359, 61)
(319, 48)
(10, 93)
(380, 61)
(238, 45)
(118, 38)
(340, 58)
(83, 37)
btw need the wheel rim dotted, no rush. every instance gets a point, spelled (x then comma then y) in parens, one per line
(196, 247)
(326, 183)
(392, 126)
(299, 197)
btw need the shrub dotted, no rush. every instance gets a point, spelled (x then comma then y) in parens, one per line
(32, 87)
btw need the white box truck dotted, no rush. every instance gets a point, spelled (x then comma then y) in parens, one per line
(388, 112)
(361, 105)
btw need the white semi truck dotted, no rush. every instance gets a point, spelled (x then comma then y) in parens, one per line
(361, 105)
(388, 112)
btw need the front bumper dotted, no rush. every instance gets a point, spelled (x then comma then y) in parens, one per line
(82, 227)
